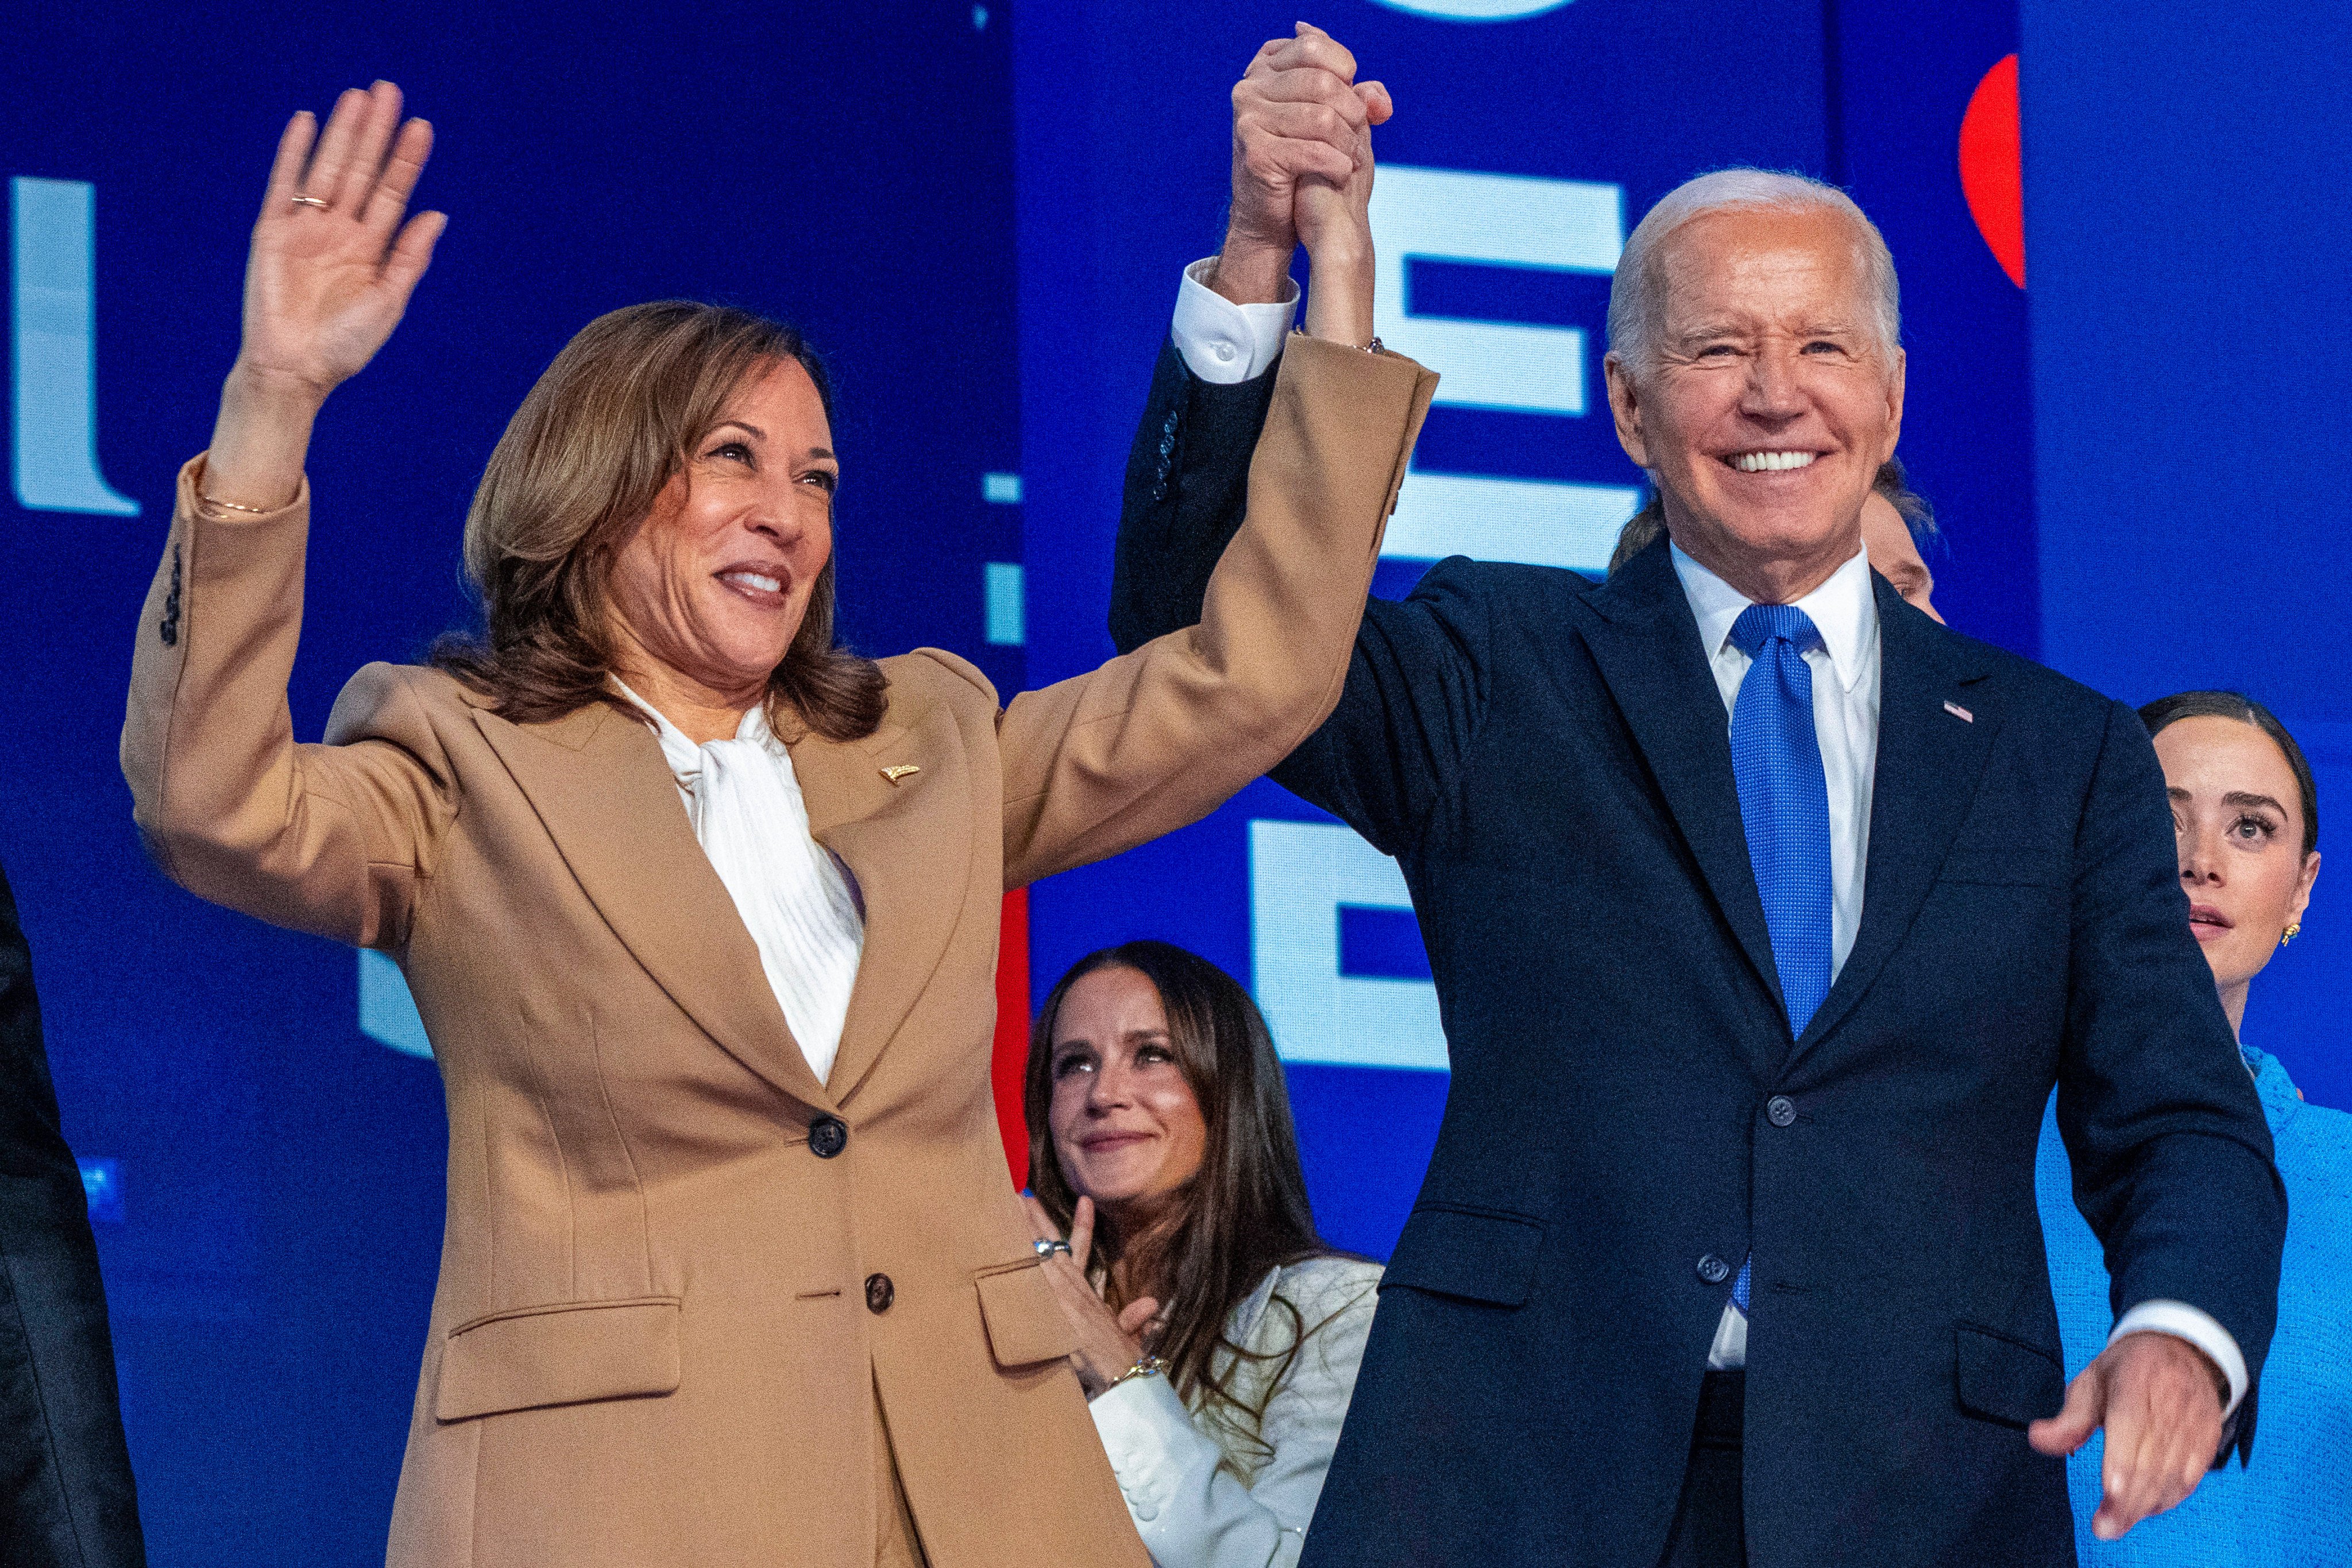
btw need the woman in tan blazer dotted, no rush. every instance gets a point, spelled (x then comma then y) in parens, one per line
(700, 1303)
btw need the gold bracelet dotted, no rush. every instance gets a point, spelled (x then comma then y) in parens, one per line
(204, 500)
(1374, 347)
(1148, 1366)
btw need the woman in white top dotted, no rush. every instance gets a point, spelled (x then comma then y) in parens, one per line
(1218, 1337)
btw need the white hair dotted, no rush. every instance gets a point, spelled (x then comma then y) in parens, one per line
(1634, 308)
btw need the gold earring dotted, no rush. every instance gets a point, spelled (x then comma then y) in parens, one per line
(2291, 933)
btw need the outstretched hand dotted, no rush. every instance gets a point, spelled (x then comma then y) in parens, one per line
(2156, 1397)
(1108, 1342)
(333, 264)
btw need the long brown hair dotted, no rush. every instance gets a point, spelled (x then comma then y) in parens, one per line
(608, 426)
(1245, 1212)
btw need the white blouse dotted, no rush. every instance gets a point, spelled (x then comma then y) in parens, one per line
(1206, 1491)
(796, 896)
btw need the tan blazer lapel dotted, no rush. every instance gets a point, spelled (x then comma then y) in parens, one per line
(608, 800)
(907, 841)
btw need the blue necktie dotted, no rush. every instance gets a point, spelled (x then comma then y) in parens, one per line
(1784, 804)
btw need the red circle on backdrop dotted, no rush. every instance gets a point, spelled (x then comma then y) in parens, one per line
(1991, 174)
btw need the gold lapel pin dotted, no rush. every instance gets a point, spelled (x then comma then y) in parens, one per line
(900, 771)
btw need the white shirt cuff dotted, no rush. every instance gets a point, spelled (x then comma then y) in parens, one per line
(1150, 1441)
(1225, 344)
(2184, 1321)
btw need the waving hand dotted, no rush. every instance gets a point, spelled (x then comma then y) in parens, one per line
(330, 275)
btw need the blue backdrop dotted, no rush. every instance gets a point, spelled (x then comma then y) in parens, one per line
(981, 212)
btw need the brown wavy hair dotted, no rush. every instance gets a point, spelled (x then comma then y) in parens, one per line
(1246, 1213)
(609, 424)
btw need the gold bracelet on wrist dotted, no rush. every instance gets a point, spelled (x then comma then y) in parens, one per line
(1146, 1366)
(204, 500)
(1374, 347)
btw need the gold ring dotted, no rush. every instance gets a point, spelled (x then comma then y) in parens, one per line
(318, 202)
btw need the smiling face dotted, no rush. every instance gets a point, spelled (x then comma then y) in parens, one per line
(1127, 1127)
(1771, 402)
(710, 589)
(2237, 817)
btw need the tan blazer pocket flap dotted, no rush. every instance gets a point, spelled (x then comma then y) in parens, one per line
(565, 1353)
(1026, 1324)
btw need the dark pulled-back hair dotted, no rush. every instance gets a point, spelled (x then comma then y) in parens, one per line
(1246, 1213)
(1917, 512)
(2166, 711)
(607, 426)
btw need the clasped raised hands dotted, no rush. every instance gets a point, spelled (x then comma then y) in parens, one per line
(1303, 175)
(332, 263)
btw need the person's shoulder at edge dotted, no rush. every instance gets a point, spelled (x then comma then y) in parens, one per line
(1507, 586)
(2320, 1129)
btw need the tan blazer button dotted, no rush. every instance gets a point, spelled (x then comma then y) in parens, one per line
(879, 1292)
(827, 1136)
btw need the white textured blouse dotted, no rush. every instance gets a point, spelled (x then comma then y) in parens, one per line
(797, 898)
(1206, 1487)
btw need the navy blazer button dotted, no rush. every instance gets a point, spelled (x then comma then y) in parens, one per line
(828, 1136)
(879, 1292)
(1714, 1270)
(1780, 1110)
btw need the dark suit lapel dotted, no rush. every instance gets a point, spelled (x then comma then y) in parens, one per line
(909, 844)
(606, 797)
(1930, 760)
(1647, 645)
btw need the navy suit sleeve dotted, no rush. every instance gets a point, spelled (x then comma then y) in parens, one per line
(66, 1491)
(2172, 1158)
(1415, 684)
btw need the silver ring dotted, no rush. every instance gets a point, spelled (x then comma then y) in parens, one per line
(1046, 1248)
(319, 202)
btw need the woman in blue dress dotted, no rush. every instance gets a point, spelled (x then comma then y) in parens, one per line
(2247, 816)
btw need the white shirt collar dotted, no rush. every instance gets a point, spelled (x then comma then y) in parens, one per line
(1844, 609)
(685, 758)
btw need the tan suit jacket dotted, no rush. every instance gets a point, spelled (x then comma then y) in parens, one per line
(662, 1325)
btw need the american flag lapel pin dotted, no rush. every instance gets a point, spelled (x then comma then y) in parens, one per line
(1957, 711)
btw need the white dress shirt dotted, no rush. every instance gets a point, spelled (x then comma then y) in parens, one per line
(796, 899)
(1222, 342)
(1206, 1491)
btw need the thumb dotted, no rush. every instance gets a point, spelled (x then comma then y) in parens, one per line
(1135, 1315)
(1377, 104)
(2085, 1408)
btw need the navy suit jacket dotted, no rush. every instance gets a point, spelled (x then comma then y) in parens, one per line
(66, 1494)
(1548, 759)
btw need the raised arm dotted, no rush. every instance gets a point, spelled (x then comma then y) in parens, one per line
(1301, 137)
(1160, 736)
(322, 839)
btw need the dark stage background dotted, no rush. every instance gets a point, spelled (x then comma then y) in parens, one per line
(981, 212)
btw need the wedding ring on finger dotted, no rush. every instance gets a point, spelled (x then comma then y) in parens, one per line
(1045, 1247)
(321, 203)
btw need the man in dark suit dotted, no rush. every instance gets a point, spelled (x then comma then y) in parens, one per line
(1765, 913)
(66, 1495)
